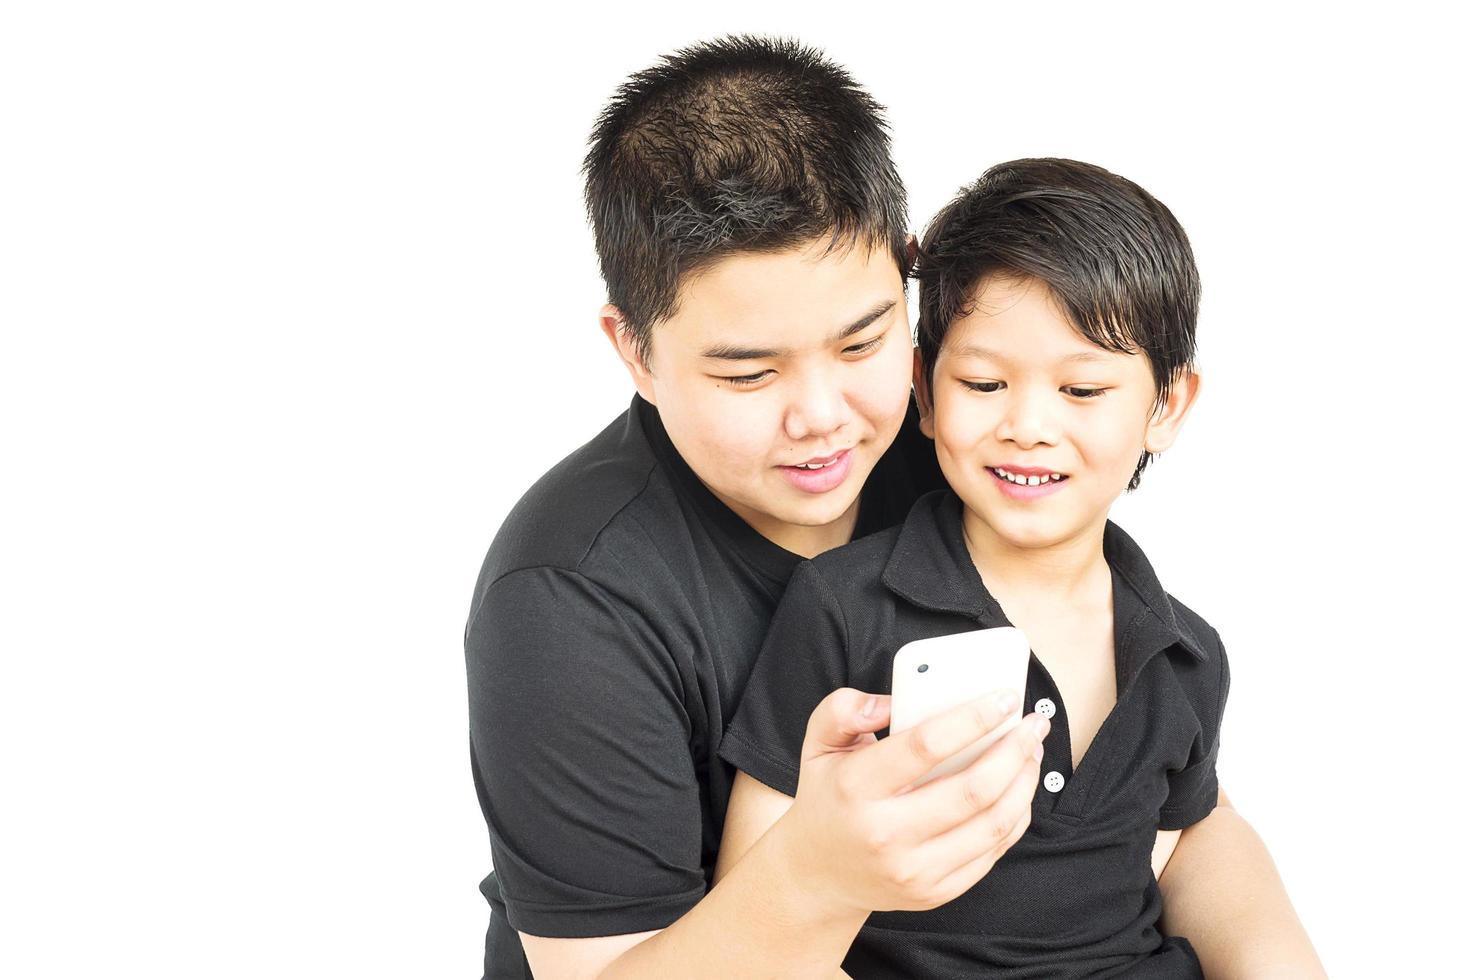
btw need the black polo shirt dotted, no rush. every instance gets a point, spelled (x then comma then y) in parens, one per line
(1076, 896)
(616, 619)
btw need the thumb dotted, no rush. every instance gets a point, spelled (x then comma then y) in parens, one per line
(846, 718)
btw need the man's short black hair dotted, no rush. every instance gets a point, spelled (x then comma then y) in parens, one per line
(744, 144)
(1115, 258)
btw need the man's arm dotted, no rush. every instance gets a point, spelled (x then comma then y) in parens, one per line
(806, 873)
(759, 921)
(1222, 892)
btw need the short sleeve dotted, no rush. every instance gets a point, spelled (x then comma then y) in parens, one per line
(580, 743)
(804, 659)
(1195, 789)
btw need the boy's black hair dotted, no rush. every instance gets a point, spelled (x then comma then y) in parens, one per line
(1115, 258)
(743, 144)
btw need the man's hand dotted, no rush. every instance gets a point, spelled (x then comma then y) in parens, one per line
(864, 839)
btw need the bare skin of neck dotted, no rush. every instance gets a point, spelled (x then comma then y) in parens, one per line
(1065, 573)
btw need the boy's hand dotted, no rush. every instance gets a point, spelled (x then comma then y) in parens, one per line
(863, 840)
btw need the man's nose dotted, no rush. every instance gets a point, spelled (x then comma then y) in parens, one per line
(818, 407)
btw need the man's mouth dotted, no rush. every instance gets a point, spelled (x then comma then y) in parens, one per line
(1028, 478)
(820, 473)
(821, 463)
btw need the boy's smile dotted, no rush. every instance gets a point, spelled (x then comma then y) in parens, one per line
(1026, 482)
(1037, 429)
(781, 378)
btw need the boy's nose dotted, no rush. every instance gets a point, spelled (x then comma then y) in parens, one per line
(1027, 421)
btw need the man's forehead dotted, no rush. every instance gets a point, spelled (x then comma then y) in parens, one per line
(751, 349)
(759, 303)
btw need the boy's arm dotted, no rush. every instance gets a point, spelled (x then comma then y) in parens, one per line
(1222, 892)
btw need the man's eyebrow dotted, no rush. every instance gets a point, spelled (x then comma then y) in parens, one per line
(732, 352)
(866, 320)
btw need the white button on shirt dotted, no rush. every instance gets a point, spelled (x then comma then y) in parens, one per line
(1053, 782)
(1046, 708)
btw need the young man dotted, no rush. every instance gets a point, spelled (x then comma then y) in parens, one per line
(751, 230)
(1057, 333)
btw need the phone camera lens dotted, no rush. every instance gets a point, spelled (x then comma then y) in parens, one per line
(923, 667)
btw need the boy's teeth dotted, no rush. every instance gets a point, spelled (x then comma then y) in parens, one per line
(1027, 481)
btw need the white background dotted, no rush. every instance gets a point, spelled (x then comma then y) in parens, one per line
(298, 298)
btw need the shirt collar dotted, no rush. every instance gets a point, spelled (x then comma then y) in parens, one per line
(931, 567)
(740, 539)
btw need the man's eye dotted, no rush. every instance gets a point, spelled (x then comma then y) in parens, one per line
(743, 380)
(1077, 392)
(984, 386)
(865, 346)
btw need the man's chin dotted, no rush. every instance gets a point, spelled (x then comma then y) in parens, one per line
(822, 512)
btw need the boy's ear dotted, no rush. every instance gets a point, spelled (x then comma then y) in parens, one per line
(615, 328)
(923, 396)
(910, 255)
(1168, 418)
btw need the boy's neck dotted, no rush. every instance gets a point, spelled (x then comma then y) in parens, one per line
(1062, 571)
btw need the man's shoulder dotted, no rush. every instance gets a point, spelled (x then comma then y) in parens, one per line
(559, 521)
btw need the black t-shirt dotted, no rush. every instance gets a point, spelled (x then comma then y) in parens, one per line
(616, 619)
(1076, 895)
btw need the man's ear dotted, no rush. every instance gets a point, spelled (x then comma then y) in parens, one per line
(615, 328)
(923, 396)
(910, 255)
(1168, 418)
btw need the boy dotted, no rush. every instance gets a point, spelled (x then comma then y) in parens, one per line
(1056, 338)
(752, 232)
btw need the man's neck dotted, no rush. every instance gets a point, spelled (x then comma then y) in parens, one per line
(800, 539)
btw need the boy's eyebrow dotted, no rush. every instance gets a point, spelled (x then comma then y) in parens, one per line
(975, 350)
(731, 352)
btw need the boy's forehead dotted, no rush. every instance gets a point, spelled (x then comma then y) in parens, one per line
(1012, 319)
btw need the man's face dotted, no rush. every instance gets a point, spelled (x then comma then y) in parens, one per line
(1037, 429)
(781, 380)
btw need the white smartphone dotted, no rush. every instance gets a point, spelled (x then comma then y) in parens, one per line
(931, 676)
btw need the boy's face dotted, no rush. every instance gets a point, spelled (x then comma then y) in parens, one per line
(781, 379)
(1017, 390)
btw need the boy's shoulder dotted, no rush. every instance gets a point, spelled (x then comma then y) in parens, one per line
(1127, 558)
(857, 562)
(871, 577)
(1196, 625)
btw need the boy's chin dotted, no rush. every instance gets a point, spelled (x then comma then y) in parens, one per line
(1033, 532)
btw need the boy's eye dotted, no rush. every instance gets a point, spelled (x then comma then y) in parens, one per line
(742, 380)
(984, 386)
(1078, 392)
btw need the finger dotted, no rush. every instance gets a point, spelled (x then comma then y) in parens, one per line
(975, 845)
(968, 876)
(899, 760)
(951, 800)
(845, 718)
